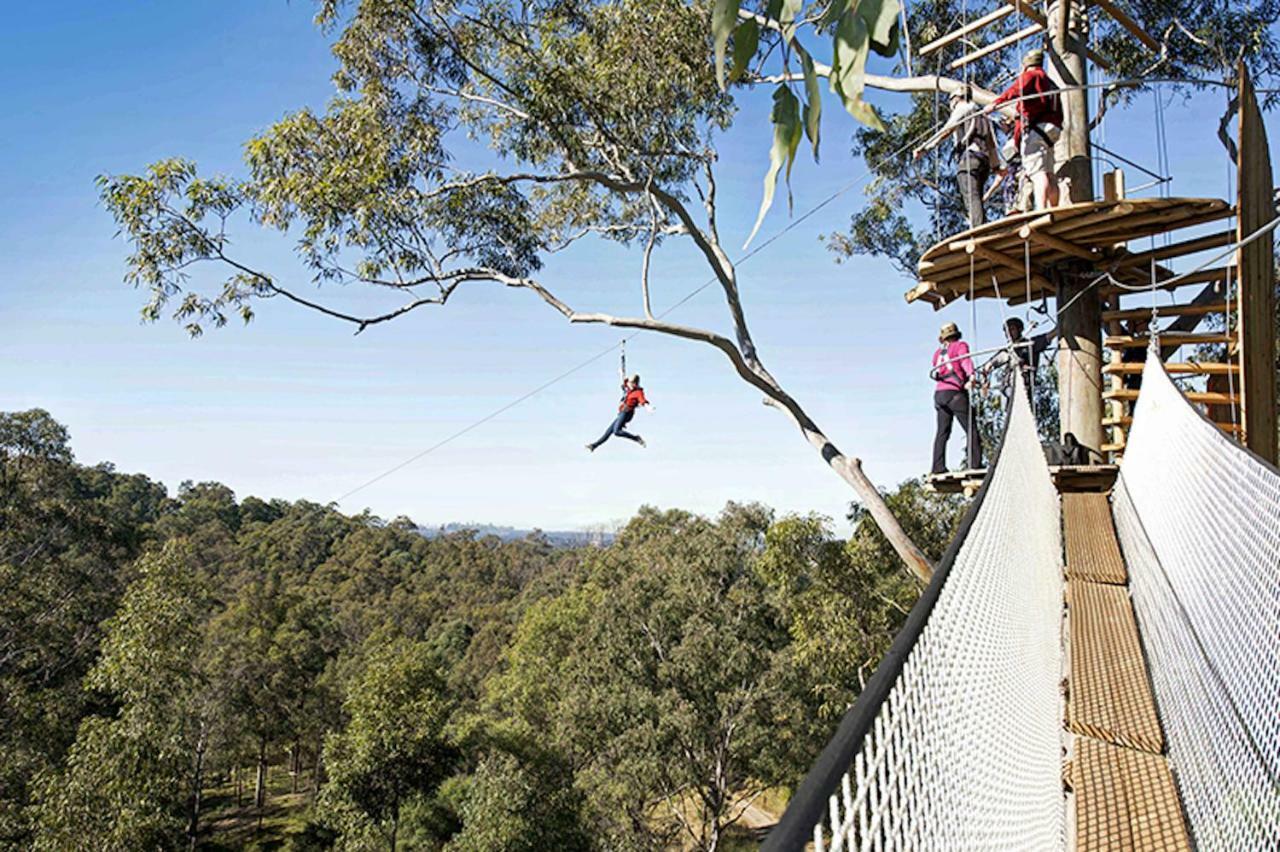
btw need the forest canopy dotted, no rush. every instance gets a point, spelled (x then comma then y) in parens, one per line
(202, 668)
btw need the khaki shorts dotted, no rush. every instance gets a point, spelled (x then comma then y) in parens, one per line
(1037, 154)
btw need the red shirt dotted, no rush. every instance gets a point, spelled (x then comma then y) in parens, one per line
(1045, 109)
(633, 398)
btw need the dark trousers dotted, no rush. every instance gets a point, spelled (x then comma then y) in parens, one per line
(954, 405)
(971, 175)
(618, 427)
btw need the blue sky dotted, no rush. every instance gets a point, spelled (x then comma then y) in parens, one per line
(294, 406)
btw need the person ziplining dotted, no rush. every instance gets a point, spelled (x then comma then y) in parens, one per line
(632, 398)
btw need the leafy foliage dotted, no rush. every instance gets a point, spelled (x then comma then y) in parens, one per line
(454, 692)
(912, 203)
(394, 748)
(596, 103)
(128, 776)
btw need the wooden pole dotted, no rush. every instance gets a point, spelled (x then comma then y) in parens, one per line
(1080, 324)
(1255, 266)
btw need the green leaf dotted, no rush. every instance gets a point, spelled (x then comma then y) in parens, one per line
(813, 107)
(849, 67)
(746, 38)
(833, 13)
(786, 139)
(787, 16)
(881, 17)
(724, 15)
(774, 10)
(864, 112)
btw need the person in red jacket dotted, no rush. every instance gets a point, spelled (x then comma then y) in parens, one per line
(1038, 126)
(632, 398)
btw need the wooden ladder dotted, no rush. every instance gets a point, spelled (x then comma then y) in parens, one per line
(1220, 397)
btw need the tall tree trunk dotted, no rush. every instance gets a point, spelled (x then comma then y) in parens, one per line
(197, 789)
(1080, 322)
(317, 771)
(260, 782)
(295, 766)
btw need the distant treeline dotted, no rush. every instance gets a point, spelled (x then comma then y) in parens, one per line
(457, 692)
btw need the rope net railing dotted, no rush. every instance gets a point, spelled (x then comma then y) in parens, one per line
(956, 741)
(1198, 518)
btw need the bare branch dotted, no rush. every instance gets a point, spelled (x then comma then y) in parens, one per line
(474, 98)
(923, 83)
(648, 251)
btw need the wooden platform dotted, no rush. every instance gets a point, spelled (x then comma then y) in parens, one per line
(1092, 551)
(1083, 477)
(1095, 231)
(956, 481)
(1125, 799)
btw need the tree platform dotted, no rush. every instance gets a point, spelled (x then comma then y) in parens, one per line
(1012, 258)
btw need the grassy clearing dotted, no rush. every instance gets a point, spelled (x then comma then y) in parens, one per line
(227, 826)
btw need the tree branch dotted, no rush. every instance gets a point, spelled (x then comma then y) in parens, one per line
(923, 83)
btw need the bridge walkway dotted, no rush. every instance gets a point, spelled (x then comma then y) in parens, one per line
(1123, 794)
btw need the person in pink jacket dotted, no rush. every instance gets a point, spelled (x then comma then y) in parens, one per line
(953, 371)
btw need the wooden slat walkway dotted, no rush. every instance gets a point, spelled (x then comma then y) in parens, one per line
(1110, 696)
(1092, 551)
(1125, 794)
(1125, 799)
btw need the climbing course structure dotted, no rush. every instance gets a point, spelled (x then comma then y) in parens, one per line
(1016, 708)
(1095, 664)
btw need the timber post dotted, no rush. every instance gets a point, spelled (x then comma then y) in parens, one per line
(1079, 324)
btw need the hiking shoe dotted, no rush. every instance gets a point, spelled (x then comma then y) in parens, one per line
(591, 448)
(641, 442)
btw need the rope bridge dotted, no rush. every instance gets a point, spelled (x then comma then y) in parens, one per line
(1199, 520)
(958, 739)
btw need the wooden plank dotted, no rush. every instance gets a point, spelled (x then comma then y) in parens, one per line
(1188, 368)
(1001, 44)
(972, 26)
(1048, 240)
(1129, 24)
(1116, 230)
(1096, 478)
(1110, 696)
(1092, 551)
(1001, 259)
(1029, 10)
(1178, 249)
(1229, 428)
(1125, 800)
(1218, 273)
(1205, 397)
(1166, 311)
(1126, 341)
(1256, 265)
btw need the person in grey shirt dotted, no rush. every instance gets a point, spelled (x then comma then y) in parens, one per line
(975, 150)
(1026, 354)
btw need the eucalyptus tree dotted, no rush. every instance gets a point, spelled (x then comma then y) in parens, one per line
(133, 779)
(1196, 47)
(603, 117)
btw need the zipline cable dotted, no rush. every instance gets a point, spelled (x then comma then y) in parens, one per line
(753, 252)
(601, 354)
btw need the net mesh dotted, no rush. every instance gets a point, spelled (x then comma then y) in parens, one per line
(1199, 521)
(966, 750)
